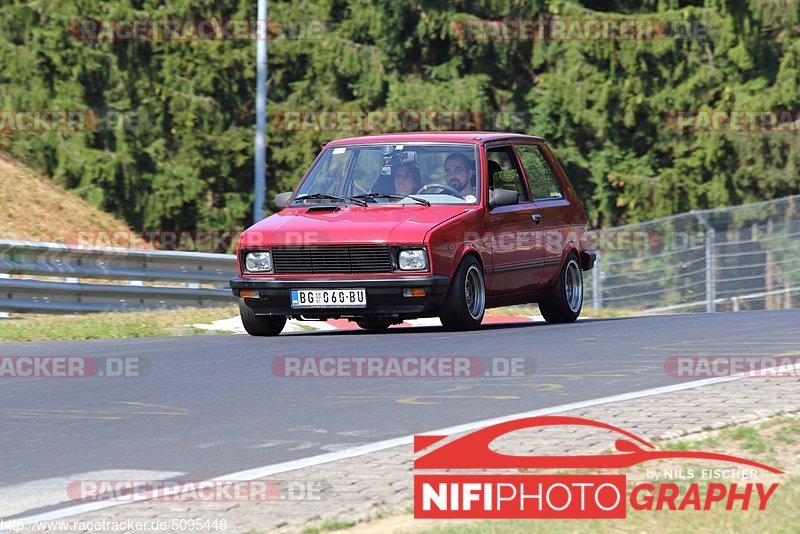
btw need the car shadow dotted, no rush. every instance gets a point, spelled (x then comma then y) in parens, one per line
(438, 329)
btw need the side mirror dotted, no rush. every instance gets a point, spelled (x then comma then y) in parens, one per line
(502, 197)
(281, 199)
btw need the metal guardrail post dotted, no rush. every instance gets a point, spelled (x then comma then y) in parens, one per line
(597, 287)
(711, 282)
(4, 314)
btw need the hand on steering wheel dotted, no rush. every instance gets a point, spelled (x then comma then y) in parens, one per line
(450, 190)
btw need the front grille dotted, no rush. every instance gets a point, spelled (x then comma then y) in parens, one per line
(332, 259)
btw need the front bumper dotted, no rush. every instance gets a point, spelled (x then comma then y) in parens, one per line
(384, 296)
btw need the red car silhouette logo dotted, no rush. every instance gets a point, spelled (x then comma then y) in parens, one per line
(473, 452)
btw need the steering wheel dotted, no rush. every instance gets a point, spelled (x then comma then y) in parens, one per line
(446, 188)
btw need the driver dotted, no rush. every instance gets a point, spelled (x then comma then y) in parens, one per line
(460, 173)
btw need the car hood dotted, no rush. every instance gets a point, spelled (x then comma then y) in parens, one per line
(349, 224)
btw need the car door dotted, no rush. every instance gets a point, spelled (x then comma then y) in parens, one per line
(550, 204)
(511, 228)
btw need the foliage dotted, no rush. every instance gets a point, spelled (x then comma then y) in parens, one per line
(602, 104)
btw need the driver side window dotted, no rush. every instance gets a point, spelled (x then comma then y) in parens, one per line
(363, 179)
(504, 172)
(330, 178)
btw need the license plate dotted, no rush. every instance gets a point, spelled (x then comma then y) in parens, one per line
(329, 298)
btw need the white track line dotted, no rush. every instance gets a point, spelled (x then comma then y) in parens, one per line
(267, 470)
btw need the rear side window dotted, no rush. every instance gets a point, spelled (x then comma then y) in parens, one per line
(541, 179)
(504, 172)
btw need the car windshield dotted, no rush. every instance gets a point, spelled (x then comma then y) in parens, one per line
(393, 174)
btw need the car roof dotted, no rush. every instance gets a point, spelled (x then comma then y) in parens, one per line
(476, 137)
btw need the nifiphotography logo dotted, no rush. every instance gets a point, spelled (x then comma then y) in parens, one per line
(568, 496)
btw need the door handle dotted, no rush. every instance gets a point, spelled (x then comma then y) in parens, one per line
(537, 219)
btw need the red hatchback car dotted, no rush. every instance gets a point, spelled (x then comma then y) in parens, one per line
(393, 227)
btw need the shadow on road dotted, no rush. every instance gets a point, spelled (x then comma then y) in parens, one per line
(438, 329)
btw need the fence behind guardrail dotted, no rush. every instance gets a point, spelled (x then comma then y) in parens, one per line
(727, 259)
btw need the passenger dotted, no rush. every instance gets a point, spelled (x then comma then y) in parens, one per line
(459, 172)
(407, 180)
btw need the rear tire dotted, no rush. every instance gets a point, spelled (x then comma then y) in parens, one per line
(260, 325)
(465, 303)
(564, 301)
(375, 326)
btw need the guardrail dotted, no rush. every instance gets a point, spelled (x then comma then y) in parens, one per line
(135, 266)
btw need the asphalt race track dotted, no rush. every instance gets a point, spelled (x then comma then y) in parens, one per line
(211, 405)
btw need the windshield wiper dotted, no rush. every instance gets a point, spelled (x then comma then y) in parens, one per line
(355, 200)
(390, 195)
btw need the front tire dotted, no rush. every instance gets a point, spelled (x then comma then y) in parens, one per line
(260, 325)
(564, 301)
(465, 303)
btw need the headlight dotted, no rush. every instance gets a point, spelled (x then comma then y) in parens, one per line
(412, 260)
(258, 262)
